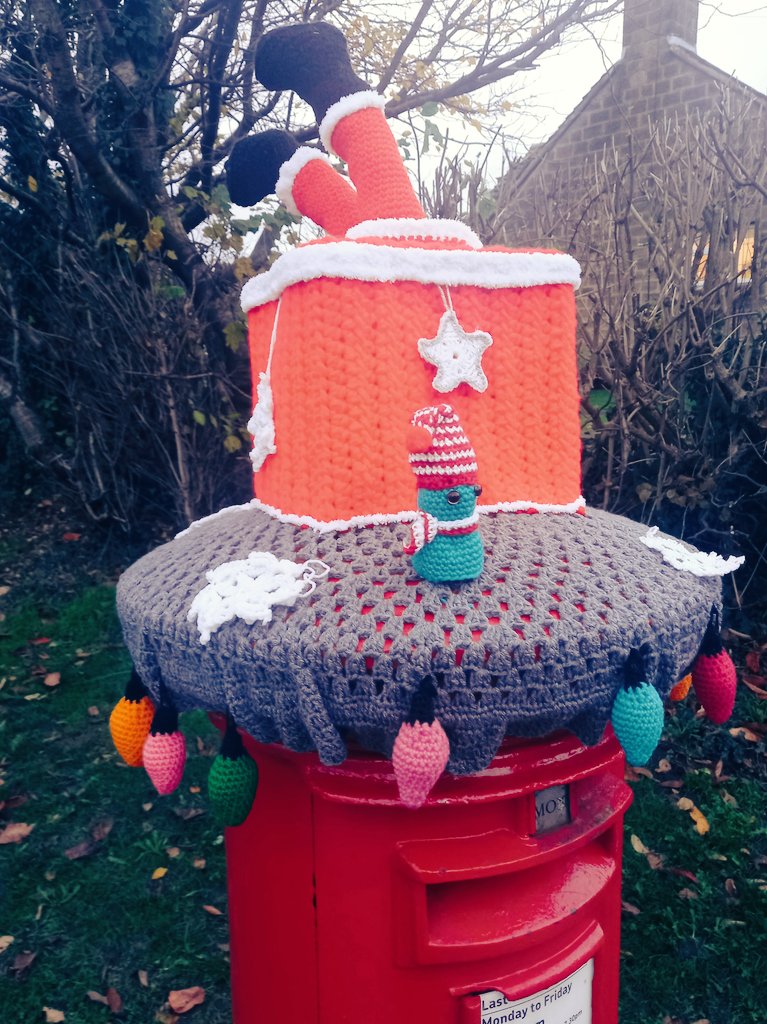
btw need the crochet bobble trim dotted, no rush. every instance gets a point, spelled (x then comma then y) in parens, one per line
(377, 518)
(289, 171)
(342, 108)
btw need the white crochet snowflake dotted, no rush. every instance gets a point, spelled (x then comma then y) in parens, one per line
(457, 354)
(699, 563)
(249, 588)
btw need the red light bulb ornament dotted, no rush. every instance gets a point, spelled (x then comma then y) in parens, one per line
(165, 751)
(713, 674)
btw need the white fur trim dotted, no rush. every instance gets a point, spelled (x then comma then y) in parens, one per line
(458, 524)
(342, 108)
(360, 261)
(699, 563)
(375, 518)
(289, 172)
(570, 508)
(407, 227)
(261, 423)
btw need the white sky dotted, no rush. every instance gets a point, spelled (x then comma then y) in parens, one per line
(732, 34)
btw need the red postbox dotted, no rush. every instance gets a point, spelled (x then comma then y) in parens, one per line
(498, 901)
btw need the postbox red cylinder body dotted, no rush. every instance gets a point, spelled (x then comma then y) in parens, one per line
(497, 902)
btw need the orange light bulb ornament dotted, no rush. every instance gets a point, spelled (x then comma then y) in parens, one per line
(131, 720)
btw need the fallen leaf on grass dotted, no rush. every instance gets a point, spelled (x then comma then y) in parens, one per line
(15, 832)
(664, 765)
(701, 822)
(40, 640)
(70, 537)
(630, 908)
(159, 873)
(741, 732)
(212, 910)
(52, 679)
(683, 873)
(173, 851)
(672, 783)
(634, 774)
(166, 1018)
(143, 979)
(730, 886)
(5, 942)
(755, 685)
(101, 828)
(753, 661)
(199, 863)
(111, 998)
(147, 807)
(22, 962)
(93, 711)
(4, 591)
(53, 1016)
(653, 859)
(729, 799)
(187, 813)
(687, 894)
(703, 1020)
(194, 789)
(184, 999)
(83, 849)
(114, 1000)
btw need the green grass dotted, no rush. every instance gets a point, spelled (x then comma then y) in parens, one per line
(698, 948)
(97, 921)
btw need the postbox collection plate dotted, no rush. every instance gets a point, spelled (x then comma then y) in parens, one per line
(565, 1002)
(552, 808)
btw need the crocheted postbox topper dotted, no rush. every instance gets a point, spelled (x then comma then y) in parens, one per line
(415, 396)
(352, 333)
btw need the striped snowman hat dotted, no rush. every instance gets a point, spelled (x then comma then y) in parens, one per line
(441, 454)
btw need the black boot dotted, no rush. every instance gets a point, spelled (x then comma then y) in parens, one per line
(311, 60)
(253, 168)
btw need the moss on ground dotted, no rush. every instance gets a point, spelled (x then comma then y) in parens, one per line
(98, 920)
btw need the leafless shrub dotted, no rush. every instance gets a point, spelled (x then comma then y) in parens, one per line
(670, 234)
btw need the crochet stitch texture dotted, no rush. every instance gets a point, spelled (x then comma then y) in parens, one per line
(537, 643)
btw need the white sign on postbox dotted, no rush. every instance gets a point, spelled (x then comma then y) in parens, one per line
(552, 808)
(566, 1002)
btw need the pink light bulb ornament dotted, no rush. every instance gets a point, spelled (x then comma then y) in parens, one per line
(419, 757)
(165, 751)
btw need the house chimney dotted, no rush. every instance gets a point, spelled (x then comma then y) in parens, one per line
(650, 24)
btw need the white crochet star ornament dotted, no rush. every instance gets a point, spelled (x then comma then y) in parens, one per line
(457, 354)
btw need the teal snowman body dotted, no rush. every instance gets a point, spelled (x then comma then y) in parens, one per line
(456, 553)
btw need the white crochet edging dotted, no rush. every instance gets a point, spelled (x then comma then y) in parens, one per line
(289, 172)
(409, 227)
(699, 563)
(342, 108)
(375, 518)
(571, 508)
(361, 261)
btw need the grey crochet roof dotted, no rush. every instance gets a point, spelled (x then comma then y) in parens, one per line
(537, 643)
